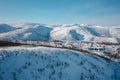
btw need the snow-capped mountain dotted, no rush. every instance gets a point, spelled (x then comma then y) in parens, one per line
(86, 33)
(42, 63)
(68, 32)
(6, 28)
(36, 32)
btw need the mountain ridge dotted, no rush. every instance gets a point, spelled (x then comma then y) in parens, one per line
(68, 32)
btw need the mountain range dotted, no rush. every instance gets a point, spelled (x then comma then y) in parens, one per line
(66, 32)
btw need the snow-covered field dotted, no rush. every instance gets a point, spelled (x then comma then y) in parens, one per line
(68, 32)
(42, 63)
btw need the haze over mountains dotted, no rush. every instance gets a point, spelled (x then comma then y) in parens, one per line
(68, 32)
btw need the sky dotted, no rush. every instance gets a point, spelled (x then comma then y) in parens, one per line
(101, 12)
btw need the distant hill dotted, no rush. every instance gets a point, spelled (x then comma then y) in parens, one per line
(6, 28)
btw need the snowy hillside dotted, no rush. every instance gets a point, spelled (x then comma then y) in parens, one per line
(86, 33)
(42, 63)
(6, 28)
(68, 32)
(36, 32)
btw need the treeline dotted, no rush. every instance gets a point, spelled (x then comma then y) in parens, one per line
(7, 43)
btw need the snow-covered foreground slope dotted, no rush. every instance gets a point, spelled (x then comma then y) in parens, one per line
(68, 32)
(42, 63)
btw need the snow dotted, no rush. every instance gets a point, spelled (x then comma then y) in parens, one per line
(45, 63)
(42, 63)
(89, 33)
(6, 28)
(68, 32)
(37, 32)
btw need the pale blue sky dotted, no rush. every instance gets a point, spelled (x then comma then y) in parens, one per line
(101, 12)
